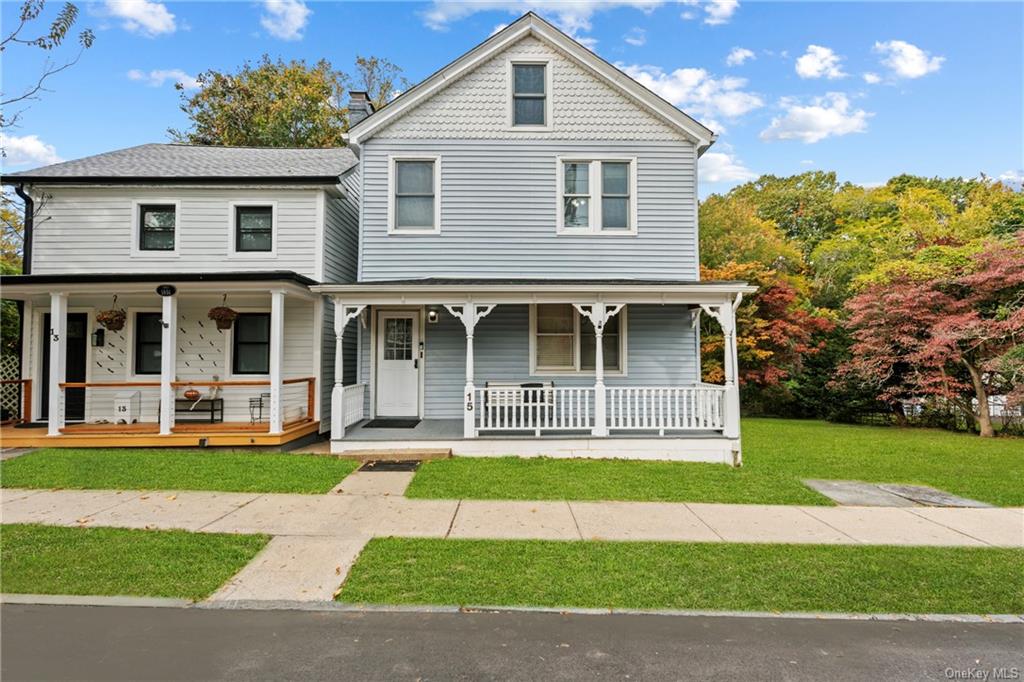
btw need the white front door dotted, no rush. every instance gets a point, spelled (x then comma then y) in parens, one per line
(398, 364)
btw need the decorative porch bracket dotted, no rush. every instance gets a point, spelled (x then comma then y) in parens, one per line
(599, 313)
(470, 314)
(343, 314)
(725, 314)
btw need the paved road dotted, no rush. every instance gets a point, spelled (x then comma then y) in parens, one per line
(81, 642)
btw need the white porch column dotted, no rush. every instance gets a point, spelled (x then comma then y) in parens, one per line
(599, 314)
(725, 314)
(343, 314)
(276, 360)
(58, 362)
(470, 314)
(168, 361)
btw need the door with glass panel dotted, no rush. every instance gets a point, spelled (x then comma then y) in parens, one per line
(398, 364)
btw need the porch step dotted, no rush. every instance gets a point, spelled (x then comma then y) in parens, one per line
(394, 455)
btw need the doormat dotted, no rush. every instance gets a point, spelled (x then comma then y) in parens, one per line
(391, 465)
(392, 424)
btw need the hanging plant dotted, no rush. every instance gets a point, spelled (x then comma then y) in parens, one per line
(223, 315)
(112, 319)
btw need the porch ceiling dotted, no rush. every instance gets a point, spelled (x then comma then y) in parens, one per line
(458, 291)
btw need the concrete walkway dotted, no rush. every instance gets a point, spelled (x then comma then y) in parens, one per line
(318, 537)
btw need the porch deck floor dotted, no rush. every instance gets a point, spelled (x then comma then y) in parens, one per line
(451, 429)
(144, 435)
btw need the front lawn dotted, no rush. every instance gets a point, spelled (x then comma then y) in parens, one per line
(115, 561)
(662, 575)
(777, 455)
(118, 469)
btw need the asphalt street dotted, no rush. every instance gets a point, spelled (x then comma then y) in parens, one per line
(122, 643)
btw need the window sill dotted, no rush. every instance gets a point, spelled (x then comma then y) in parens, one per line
(574, 373)
(412, 233)
(590, 232)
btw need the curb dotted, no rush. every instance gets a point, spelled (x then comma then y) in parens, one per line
(89, 600)
(290, 605)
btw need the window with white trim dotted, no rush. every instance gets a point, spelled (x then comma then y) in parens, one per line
(529, 95)
(564, 341)
(597, 196)
(414, 203)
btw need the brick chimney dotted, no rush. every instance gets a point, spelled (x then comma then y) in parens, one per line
(359, 107)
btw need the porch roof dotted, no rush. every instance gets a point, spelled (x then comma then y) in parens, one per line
(439, 290)
(23, 286)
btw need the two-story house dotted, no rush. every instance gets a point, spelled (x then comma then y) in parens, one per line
(504, 260)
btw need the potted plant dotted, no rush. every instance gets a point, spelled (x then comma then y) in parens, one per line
(223, 316)
(113, 319)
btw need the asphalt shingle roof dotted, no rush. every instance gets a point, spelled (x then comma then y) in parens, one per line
(165, 161)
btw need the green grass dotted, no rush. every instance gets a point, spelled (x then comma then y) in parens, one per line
(118, 469)
(777, 454)
(661, 575)
(113, 561)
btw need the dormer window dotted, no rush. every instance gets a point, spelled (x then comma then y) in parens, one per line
(530, 86)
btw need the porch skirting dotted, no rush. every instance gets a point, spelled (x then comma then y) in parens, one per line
(711, 449)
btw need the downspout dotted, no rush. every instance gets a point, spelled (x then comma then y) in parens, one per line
(26, 250)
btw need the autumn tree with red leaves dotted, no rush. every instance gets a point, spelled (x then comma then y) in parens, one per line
(955, 335)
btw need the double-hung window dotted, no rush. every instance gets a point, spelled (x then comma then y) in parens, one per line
(254, 229)
(148, 334)
(157, 223)
(597, 196)
(250, 350)
(530, 95)
(564, 341)
(414, 206)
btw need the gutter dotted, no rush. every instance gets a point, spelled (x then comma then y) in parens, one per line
(26, 249)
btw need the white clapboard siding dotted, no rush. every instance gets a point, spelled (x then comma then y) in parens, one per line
(83, 230)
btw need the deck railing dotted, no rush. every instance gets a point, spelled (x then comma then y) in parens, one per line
(646, 408)
(535, 409)
(668, 408)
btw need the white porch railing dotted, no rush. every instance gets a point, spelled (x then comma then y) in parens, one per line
(352, 403)
(535, 409)
(671, 408)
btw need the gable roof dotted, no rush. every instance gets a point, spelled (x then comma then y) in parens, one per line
(158, 163)
(531, 24)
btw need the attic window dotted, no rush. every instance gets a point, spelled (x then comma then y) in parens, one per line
(530, 95)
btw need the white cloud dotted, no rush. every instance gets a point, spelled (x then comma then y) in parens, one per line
(1014, 178)
(720, 11)
(158, 77)
(28, 149)
(571, 17)
(738, 55)
(636, 36)
(819, 62)
(906, 60)
(716, 12)
(285, 19)
(828, 116)
(723, 167)
(697, 91)
(872, 78)
(806, 162)
(498, 29)
(142, 16)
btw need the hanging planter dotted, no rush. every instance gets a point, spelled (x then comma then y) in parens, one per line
(112, 319)
(223, 315)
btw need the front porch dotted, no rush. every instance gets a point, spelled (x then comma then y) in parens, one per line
(609, 398)
(166, 375)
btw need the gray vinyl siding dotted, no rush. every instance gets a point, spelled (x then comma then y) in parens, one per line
(498, 213)
(341, 232)
(659, 348)
(90, 229)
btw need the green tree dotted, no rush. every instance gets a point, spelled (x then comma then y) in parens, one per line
(381, 79)
(271, 104)
(800, 205)
(48, 40)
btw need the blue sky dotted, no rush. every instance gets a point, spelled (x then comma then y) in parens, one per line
(869, 90)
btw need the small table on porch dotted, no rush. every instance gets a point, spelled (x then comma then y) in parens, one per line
(203, 410)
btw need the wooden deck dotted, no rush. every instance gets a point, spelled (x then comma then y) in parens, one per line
(147, 435)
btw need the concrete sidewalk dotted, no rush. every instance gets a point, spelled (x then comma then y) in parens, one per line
(317, 538)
